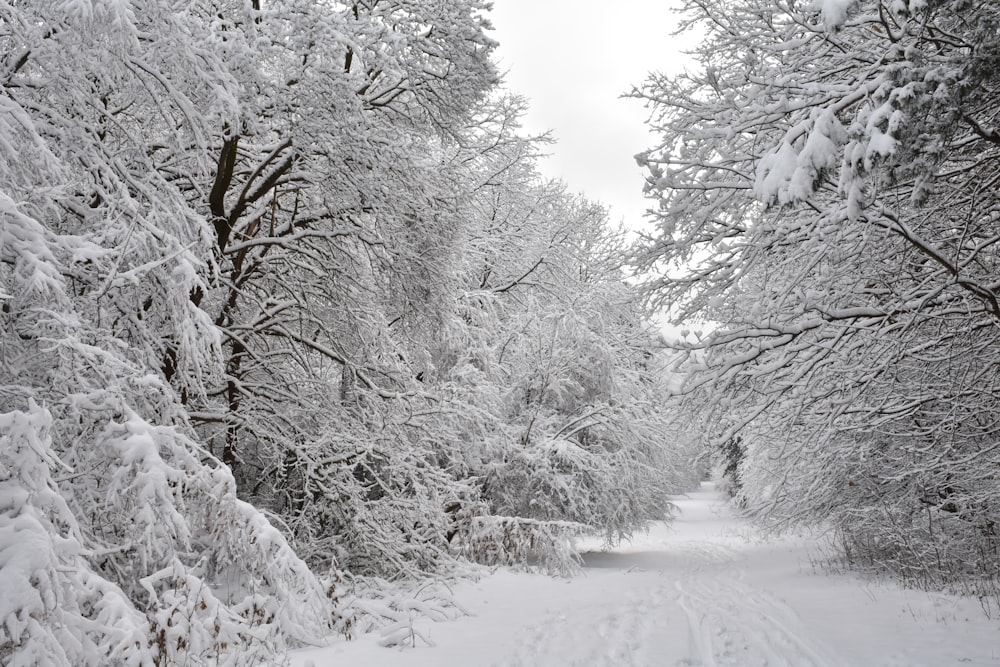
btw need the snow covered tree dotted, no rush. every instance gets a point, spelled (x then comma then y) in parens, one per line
(239, 244)
(334, 218)
(123, 539)
(546, 364)
(827, 209)
(308, 196)
(503, 272)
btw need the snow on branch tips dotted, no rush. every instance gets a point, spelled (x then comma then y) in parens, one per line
(54, 608)
(797, 167)
(850, 370)
(834, 12)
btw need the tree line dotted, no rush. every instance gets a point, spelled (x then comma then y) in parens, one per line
(284, 303)
(828, 211)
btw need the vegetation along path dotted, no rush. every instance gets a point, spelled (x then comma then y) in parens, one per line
(701, 591)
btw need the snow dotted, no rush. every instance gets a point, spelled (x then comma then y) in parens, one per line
(834, 11)
(790, 174)
(703, 591)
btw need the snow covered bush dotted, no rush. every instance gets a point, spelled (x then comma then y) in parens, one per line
(165, 566)
(517, 542)
(54, 609)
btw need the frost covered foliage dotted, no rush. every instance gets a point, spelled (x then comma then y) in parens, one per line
(123, 539)
(827, 182)
(488, 353)
(280, 289)
(127, 558)
(551, 348)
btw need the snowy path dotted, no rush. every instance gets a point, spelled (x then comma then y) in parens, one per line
(697, 593)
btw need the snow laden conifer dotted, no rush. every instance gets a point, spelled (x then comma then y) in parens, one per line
(826, 204)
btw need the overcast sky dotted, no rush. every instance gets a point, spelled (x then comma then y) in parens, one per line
(573, 59)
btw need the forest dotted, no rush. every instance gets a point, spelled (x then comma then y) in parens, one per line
(291, 326)
(288, 319)
(828, 224)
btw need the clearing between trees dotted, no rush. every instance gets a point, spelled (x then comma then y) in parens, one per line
(704, 590)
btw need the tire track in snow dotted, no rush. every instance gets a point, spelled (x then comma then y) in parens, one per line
(731, 623)
(688, 605)
(704, 554)
(618, 635)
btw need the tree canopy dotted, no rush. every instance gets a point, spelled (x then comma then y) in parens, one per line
(827, 208)
(285, 304)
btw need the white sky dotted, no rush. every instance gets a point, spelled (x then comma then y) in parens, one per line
(573, 59)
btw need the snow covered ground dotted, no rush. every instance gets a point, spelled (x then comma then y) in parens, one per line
(700, 592)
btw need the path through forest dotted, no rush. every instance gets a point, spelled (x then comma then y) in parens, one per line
(699, 592)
